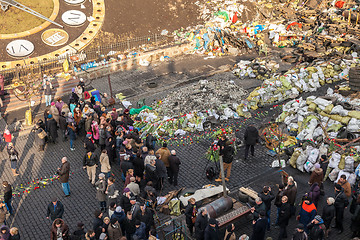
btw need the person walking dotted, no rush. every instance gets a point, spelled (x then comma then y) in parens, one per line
(105, 164)
(284, 216)
(251, 137)
(328, 214)
(341, 202)
(174, 165)
(201, 224)
(8, 196)
(190, 215)
(59, 230)
(90, 163)
(72, 134)
(52, 129)
(100, 186)
(64, 173)
(55, 209)
(13, 156)
(47, 92)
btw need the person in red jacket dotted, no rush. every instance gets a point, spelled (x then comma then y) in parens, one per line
(7, 136)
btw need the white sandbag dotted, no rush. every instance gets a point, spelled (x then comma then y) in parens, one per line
(334, 160)
(349, 164)
(339, 110)
(313, 155)
(308, 166)
(352, 179)
(334, 174)
(323, 149)
(318, 132)
(322, 103)
(311, 127)
(342, 172)
(353, 125)
(301, 161)
(357, 171)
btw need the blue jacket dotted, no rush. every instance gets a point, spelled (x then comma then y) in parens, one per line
(140, 232)
(307, 213)
(120, 216)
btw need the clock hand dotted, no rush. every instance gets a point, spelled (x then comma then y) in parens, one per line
(29, 10)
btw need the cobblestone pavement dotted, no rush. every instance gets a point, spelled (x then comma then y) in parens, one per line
(30, 215)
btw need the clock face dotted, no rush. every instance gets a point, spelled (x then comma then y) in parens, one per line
(27, 39)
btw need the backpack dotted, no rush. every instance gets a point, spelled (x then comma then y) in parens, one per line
(210, 173)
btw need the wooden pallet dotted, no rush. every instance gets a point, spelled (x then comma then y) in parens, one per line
(250, 192)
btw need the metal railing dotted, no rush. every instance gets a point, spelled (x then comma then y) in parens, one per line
(99, 53)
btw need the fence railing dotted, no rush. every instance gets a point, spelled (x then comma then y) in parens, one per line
(98, 53)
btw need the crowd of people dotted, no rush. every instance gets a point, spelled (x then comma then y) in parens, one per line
(128, 213)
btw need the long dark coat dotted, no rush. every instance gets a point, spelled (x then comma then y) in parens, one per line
(52, 128)
(64, 172)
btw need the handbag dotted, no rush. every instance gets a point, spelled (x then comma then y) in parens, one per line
(42, 134)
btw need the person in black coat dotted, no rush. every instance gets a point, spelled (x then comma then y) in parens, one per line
(212, 230)
(129, 225)
(126, 165)
(355, 219)
(267, 197)
(52, 129)
(79, 233)
(98, 223)
(39, 139)
(259, 227)
(161, 172)
(228, 157)
(110, 148)
(251, 137)
(125, 201)
(8, 196)
(341, 202)
(201, 224)
(63, 125)
(284, 216)
(190, 214)
(174, 163)
(89, 143)
(55, 209)
(139, 167)
(328, 214)
(146, 216)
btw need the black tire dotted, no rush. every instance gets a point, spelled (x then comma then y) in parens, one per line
(243, 197)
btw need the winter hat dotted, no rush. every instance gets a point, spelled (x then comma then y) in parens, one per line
(97, 213)
(338, 187)
(324, 157)
(54, 199)
(300, 226)
(114, 109)
(212, 221)
(317, 165)
(7, 132)
(92, 110)
(164, 145)
(281, 186)
(137, 223)
(126, 190)
(133, 199)
(318, 218)
(113, 221)
(101, 175)
(118, 209)
(52, 103)
(50, 116)
(88, 135)
(80, 225)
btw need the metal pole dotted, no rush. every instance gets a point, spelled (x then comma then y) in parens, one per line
(222, 175)
(110, 86)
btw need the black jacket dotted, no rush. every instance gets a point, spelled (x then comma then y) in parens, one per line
(316, 231)
(89, 145)
(125, 166)
(228, 154)
(52, 128)
(328, 214)
(125, 203)
(267, 199)
(7, 193)
(129, 226)
(299, 235)
(284, 214)
(138, 163)
(259, 229)
(189, 212)
(55, 212)
(97, 227)
(211, 233)
(200, 226)
(355, 220)
(174, 163)
(341, 201)
(93, 160)
(251, 135)
(62, 123)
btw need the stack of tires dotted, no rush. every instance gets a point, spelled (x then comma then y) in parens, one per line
(354, 78)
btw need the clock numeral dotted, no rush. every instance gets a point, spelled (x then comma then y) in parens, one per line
(74, 17)
(20, 48)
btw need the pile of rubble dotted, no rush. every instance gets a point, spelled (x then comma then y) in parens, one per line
(203, 96)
